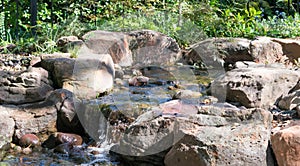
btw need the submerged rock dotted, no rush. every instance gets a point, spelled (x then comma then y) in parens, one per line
(138, 81)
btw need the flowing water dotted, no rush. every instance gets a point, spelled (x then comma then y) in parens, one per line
(130, 102)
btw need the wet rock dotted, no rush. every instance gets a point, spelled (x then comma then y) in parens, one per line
(218, 135)
(114, 43)
(73, 139)
(29, 140)
(138, 81)
(255, 87)
(58, 138)
(28, 86)
(63, 148)
(158, 73)
(186, 95)
(286, 146)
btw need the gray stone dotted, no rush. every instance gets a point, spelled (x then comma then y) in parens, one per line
(217, 135)
(264, 50)
(87, 76)
(28, 86)
(113, 43)
(7, 125)
(152, 48)
(255, 87)
(216, 51)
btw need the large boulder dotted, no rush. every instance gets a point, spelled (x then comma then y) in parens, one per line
(7, 125)
(113, 43)
(153, 48)
(290, 48)
(86, 76)
(55, 113)
(216, 51)
(218, 134)
(27, 86)
(255, 85)
(264, 50)
(138, 48)
(286, 145)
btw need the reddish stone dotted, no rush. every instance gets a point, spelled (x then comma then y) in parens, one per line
(176, 107)
(29, 140)
(73, 139)
(286, 146)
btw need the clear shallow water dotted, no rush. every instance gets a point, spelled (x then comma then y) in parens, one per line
(132, 101)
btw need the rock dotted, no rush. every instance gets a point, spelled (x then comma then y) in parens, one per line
(8, 48)
(67, 119)
(138, 81)
(158, 72)
(62, 138)
(119, 73)
(217, 134)
(56, 113)
(27, 150)
(286, 146)
(28, 86)
(265, 51)
(290, 101)
(65, 43)
(87, 76)
(7, 126)
(29, 140)
(113, 43)
(62, 41)
(152, 48)
(137, 48)
(255, 87)
(63, 148)
(186, 95)
(218, 51)
(290, 48)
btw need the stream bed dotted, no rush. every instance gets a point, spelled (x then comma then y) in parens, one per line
(127, 101)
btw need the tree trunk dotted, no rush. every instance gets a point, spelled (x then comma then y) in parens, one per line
(33, 16)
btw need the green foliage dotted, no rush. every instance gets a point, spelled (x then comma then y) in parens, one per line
(186, 21)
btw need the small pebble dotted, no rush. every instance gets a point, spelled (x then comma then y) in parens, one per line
(27, 150)
(18, 149)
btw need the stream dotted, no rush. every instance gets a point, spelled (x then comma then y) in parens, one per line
(107, 117)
